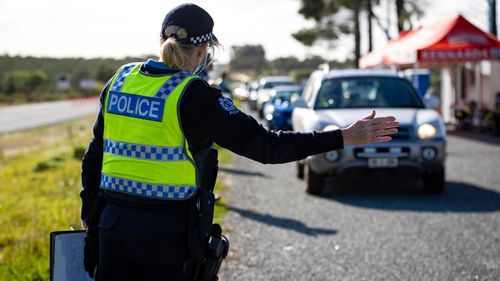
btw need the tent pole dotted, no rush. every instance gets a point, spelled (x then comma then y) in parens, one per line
(446, 92)
(415, 75)
(478, 84)
(457, 98)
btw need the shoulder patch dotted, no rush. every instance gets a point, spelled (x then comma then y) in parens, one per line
(228, 105)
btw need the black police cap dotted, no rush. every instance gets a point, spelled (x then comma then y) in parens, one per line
(189, 24)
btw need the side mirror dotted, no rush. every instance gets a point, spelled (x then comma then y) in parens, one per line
(300, 103)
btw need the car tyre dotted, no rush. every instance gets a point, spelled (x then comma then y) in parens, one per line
(314, 181)
(334, 186)
(434, 181)
(300, 170)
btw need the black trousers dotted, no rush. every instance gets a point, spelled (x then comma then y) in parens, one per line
(140, 244)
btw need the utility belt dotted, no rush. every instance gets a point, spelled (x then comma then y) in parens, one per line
(207, 246)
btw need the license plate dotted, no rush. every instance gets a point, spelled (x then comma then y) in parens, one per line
(383, 162)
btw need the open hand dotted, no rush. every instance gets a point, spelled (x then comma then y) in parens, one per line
(370, 130)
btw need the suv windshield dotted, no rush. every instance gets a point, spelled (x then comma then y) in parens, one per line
(270, 85)
(370, 92)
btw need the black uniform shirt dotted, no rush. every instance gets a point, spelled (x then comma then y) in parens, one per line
(206, 118)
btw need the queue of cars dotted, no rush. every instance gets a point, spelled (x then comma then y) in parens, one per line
(335, 99)
(272, 98)
(278, 110)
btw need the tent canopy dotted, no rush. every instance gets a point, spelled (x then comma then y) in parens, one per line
(445, 42)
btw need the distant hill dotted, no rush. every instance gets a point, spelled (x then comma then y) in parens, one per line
(76, 67)
(33, 79)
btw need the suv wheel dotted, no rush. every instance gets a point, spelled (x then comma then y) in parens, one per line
(300, 170)
(314, 181)
(434, 181)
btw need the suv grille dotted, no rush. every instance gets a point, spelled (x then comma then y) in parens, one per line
(381, 152)
(404, 133)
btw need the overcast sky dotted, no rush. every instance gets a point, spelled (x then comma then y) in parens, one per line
(118, 28)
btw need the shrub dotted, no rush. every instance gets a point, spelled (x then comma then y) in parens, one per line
(42, 166)
(78, 152)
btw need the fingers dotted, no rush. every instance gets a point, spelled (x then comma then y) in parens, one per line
(385, 119)
(383, 126)
(386, 132)
(381, 139)
(371, 116)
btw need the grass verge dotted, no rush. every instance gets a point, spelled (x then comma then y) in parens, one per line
(39, 193)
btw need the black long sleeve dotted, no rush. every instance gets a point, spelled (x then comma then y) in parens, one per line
(92, 159)
(206, 114)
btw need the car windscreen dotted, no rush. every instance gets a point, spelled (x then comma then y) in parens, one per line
(270, 85)
(285, 96)
(367, 92)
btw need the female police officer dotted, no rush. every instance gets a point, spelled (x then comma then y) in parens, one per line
(155, 122)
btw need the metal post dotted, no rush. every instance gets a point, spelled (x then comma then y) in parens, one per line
(479, 85)
(446, 93)
(492, 17)
(459, 85)
(416, 77)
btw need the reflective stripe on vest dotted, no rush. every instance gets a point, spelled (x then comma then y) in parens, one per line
(145, 150)
(171, 84)
(146, 189)
(117, 85)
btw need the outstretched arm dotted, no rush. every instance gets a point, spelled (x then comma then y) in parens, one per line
(206, 114)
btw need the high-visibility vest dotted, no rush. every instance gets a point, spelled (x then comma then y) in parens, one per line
(145, 150)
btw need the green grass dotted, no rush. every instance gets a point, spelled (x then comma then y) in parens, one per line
(39, 193)
(40, 182)
(221, 204)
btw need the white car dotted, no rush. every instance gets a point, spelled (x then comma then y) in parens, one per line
(242, 91)
(336, 99)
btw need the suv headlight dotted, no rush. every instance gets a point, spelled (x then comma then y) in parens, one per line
(428, 131)
(331, 128)
(332, 156)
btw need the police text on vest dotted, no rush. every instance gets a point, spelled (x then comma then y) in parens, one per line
(149, 108)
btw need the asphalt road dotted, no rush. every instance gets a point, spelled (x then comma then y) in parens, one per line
(24, 117)
(376, 231)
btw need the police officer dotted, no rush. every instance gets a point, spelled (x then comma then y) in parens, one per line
(155, 123)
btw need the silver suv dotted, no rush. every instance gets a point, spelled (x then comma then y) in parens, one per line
(336, 99)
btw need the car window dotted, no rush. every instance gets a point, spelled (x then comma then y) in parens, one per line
(310, 87)
(286, 96)
(270, 85)
(316, 85)
(367, 92)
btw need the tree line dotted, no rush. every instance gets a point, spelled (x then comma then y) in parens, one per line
(251, 59)
(32, 79)
(343, 17)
